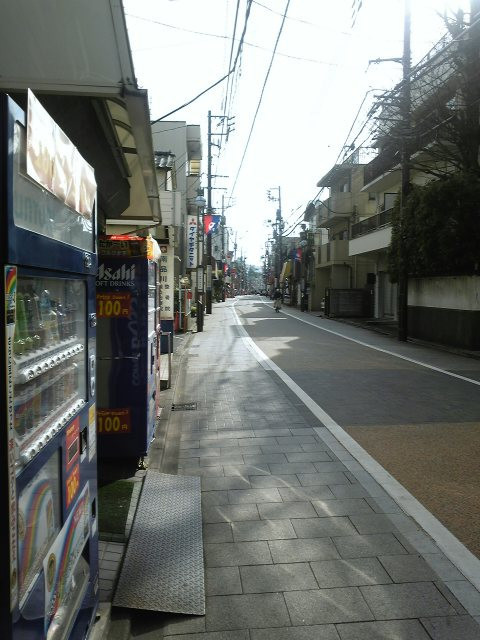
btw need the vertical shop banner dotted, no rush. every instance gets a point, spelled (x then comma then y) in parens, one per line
(10, 284)
(191, 242)
(61, 560)
(166, 282)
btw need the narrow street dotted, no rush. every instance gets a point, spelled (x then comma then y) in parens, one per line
(301, 541)
(405, 407)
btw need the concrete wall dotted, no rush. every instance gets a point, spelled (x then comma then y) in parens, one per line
(445, 310)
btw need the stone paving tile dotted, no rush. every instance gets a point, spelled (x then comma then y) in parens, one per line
(349, 491)
(211, 498)
(265, 458)
(304, 550)
(214, 635)
(309, 456)
(230, 513)
(261, 442)
(359, 546)
(299, 439)
(379, 523)
(245, 611)
(292, 467)
(244, 450)
(282, 448)
(218, 532)
(188, 470)
(443, 567)
(242, 496)
(419, 542)
(384, 505)
(314, 446)
(469, 596)
(341, 507)
(452, 628)
(388, 630)
(266, 482)
(232, 458)
(315, 492)
(245, 470)
(222, 581)
(280, 577)
(315, 632)
(278, 511)
(327, 606)
(408, 600)
(175, 624)
(349, 573)
(409, 568)
(197, 453)
(267, 433)
(224, 483)
(262, 530)
(323, 527)
(327, 467)
(231, 554)
(332, 477)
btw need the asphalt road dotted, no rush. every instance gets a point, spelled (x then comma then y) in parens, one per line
(415, 409)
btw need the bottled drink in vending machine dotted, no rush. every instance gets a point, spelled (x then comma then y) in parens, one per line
(49, 317)
(22, 323)
(32, 321)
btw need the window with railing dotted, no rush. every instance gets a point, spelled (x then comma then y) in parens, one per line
(371, 224)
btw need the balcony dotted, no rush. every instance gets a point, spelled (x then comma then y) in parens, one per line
(373, 223)
(334, 209)
(372, 234)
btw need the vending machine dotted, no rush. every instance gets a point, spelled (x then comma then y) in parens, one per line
(48, 485)
(127, 339)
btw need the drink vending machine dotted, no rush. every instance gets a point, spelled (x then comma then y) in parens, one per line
(128, 325)
(48, 487)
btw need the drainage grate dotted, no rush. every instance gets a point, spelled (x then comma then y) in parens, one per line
(185, 406)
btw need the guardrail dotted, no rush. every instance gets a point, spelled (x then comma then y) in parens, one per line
(371, 224)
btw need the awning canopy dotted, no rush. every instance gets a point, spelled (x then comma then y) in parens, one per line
(286, 270)
(81, 49)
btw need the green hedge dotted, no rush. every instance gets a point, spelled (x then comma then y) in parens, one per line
(441, 229)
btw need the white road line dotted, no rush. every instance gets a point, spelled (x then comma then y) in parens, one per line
(390, 353)
(462, 558)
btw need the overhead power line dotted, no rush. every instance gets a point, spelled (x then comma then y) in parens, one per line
(260, 99)
(224, 37)
(239, 50)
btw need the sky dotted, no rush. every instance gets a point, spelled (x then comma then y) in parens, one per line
(293, 111)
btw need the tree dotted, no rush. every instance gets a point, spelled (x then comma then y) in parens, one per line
(441, 229)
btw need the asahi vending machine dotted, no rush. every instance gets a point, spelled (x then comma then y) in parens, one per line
(48, 489)
(127, 338)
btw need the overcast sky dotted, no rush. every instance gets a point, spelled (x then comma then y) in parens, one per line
(318, 80)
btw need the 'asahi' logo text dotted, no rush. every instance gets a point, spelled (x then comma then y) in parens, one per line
(123, 276)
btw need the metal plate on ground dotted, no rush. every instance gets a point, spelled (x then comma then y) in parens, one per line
(163, 566)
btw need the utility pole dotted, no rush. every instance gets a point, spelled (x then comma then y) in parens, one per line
(222, 230)
(405, 168)
(208, 253)
(278, 231)
(208, 295)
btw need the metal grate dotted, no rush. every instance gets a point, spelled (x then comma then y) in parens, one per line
(185, 406)
(163, 567)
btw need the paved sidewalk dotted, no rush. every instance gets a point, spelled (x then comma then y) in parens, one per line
(296, 548)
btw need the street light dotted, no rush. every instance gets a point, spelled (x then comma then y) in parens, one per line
(200, 204)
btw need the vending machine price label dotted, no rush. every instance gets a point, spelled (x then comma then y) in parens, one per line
(72, 485)
(113, 305)
(113, 421)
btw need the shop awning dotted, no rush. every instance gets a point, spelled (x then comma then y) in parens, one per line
(81, 50)
(286, 270)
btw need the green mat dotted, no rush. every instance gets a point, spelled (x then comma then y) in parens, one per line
(113, 506)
